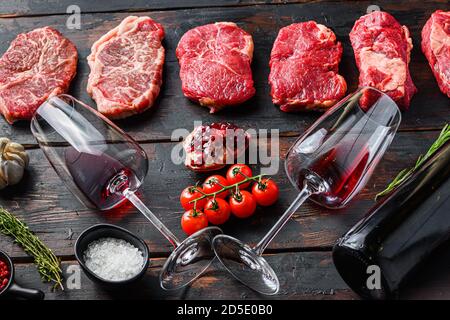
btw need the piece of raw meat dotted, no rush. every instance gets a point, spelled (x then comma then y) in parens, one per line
(304, 68)
(215, 64)
(37, 65)
(382, 51)
(436, 47)
(126, 67)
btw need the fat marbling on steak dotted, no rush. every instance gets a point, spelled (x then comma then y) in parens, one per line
(37, 65)
(304, 68)
(126, 67)
(215, 64)
(382, 51)
(436, 47)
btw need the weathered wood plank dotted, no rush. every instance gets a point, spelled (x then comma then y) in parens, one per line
(38, 7)
(429, 110)
(302, 276)
(51, 211)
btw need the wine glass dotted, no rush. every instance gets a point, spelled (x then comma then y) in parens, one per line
(103, 166)
(329, 164)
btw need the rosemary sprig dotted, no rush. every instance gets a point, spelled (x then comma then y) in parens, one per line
(47, 263)
(444, 136)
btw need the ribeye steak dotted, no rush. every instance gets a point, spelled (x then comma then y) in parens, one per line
(382, 49)
(37, 65)
(436, 47)
(304, 68)
(215, 64)
(126, 67)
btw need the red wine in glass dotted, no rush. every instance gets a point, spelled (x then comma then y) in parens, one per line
(342, 168)
(94, 174)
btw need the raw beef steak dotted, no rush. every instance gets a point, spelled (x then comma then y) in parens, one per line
(382, 48)
(37, 65)
(215, 65)
(126, 67)
(436, 47)
(304, 68)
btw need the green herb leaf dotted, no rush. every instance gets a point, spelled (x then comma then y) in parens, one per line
(403, 175)
(47, 263)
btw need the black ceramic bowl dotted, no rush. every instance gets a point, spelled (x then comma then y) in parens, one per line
(109, 231)
(12, 289)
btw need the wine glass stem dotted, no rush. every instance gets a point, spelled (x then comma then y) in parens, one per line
(302, 196)
(134, 199)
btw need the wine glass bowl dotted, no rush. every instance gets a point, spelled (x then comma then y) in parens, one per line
(194, 251)
(87, 151)
(103, 166)
(344, 146)
(245, 265)
(329, 164)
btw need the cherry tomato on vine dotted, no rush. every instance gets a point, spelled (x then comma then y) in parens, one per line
(217, 211)
(192, 193)
(193, 221)
(265, 192)
(214, 183)
(242, 204)
(237, 173)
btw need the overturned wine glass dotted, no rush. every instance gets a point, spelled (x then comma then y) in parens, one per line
(103, 166)
(329, 164)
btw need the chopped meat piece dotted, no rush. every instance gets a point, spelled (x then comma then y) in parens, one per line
(382, 49)
(304, 68)
(126, 67)
(436, 47)
(215, 64)
(37, 65)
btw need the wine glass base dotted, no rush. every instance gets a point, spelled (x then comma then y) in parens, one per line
(189, 260)
(245, 265)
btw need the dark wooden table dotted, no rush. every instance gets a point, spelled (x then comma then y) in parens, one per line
(301, 254)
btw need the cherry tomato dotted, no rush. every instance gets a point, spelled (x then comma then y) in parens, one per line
(238, 172)
(265, 192)
(217, 211)
(189, 194)
(243, 204)
(214, 183)
(193, 221)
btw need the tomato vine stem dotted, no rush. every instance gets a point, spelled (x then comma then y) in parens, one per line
(225, 188)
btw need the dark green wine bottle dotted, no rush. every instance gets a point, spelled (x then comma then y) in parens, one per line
(398, 233)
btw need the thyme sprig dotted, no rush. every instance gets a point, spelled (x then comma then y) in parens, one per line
(403, 175)
(47, 263)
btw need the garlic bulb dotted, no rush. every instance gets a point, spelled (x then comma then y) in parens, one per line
(13, 161)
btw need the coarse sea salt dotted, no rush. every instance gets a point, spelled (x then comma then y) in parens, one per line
(113, 259)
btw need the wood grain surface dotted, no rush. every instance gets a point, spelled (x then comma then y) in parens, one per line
(302, 275)
(300, 254)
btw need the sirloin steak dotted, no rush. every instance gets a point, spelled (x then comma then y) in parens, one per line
(436, 47)
(37, 65)
(304, 68)
(382, 51)
(126, 67)
(215, 64)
